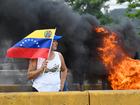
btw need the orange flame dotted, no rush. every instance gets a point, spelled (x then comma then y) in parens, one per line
(124, 72)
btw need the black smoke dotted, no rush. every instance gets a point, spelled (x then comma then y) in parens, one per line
(20, 17)
(129, 37)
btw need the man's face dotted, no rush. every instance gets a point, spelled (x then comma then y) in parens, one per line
(54, 45)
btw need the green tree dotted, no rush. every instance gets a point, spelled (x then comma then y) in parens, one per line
(92, 7)
(133, 10)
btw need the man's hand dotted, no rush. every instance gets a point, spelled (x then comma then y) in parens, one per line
(44, 65)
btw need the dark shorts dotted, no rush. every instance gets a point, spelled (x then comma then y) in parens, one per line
(34, 89)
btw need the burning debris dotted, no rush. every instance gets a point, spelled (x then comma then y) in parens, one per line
(123, 71)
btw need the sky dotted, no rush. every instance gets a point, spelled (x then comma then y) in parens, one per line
(113, 5)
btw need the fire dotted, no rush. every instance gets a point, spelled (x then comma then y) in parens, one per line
(124, 72)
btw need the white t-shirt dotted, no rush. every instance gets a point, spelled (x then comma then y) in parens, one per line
(50, 80)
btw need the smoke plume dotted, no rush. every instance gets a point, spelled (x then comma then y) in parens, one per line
(18, 18)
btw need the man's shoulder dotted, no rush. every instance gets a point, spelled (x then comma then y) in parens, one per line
(57, 52)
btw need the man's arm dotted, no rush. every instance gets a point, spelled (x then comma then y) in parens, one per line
(63, 72)
(33, 72)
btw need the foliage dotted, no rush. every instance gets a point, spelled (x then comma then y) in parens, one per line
(133, 10)
(92, 7)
